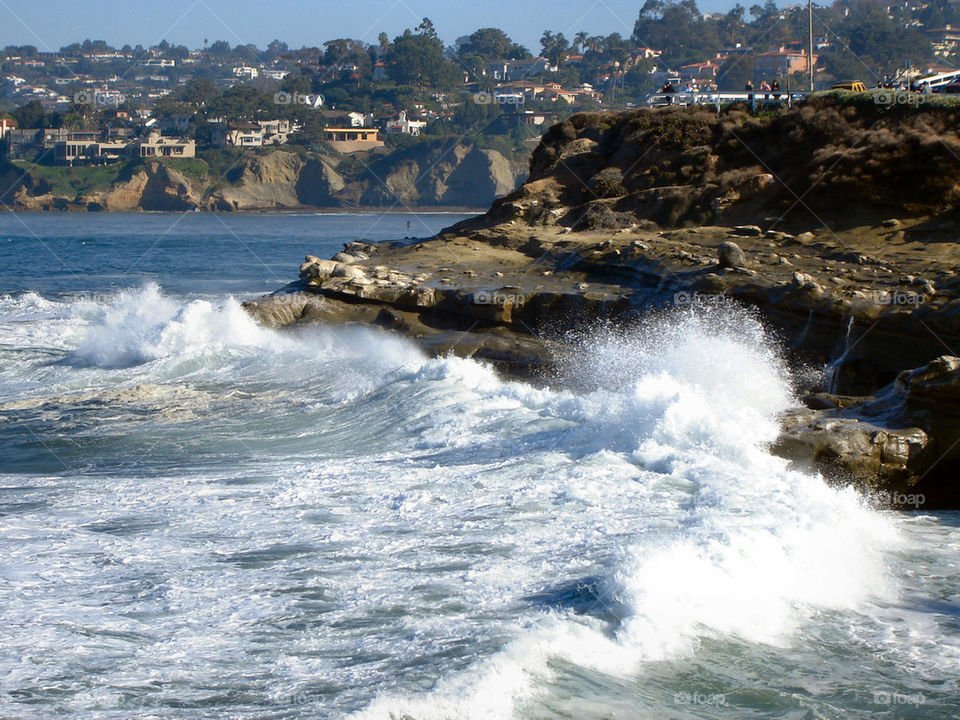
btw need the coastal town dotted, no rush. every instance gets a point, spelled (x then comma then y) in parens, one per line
(89, 103)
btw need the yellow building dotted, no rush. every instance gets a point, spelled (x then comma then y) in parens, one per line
(348, 140)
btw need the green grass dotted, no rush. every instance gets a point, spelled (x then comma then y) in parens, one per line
(196, 168)
(72, 181)
(221, 164)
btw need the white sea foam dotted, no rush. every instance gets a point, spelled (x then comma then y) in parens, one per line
(753, 549)
(365, 508)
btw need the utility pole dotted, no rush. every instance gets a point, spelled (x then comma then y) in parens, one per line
(810, 23)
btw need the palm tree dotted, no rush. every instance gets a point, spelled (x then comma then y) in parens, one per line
(579, 40)
(546, 42)
(595, 43)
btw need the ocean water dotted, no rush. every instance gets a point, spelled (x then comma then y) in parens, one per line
(203, 518)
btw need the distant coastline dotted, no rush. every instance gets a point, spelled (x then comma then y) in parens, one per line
(303, 209)
(437, 174)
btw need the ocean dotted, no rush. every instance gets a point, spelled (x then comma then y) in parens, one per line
(204, 518)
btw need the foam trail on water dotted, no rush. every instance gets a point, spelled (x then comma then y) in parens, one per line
(754, 547)
(142, 335)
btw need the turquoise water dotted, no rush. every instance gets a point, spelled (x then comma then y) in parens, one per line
(202, 518)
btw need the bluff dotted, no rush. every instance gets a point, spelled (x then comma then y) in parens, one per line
(833, 160)
(430, 172)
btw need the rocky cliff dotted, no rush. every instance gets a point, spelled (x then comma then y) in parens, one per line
(837, 161)
(277, 180)
(439, 173)
(451, 173)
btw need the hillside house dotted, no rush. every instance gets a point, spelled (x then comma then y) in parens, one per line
(348, 140)
(945, 40)
(246, 72)
(156, 145)
(400, 123)
(783, 61)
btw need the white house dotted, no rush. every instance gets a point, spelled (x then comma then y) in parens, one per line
(401, 124)
(359, 119)
(246, 72)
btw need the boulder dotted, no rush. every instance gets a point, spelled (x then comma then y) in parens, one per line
(729, 255)
(313, 270)
(806, 283)
(905, 438)
(342, 270)
(874, 455)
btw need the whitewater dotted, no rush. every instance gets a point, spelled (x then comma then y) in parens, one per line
(201, 517)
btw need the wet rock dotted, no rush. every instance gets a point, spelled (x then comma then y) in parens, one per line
(872, 454)
(905, 438)
(747, 230)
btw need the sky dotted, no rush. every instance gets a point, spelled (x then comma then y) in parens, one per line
(51, 24)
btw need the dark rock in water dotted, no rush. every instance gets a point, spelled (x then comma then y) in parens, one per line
(903, 440)
(872, 454)
(729, 255)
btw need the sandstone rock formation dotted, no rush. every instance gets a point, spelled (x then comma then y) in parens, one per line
(440, 173)
(276, 180)
(851, 162)
(431, 173)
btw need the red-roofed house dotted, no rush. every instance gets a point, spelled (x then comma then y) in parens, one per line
(782, 61)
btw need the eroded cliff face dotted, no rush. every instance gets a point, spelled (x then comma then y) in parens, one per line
(430, 173)
(849, 163)
(277, 180)
(439, 173)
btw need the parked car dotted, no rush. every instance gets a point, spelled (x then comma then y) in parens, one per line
(852, 85)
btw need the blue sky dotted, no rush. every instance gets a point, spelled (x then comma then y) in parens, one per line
(50, 24)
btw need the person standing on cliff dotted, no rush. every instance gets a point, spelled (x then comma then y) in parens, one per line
(749, 87)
